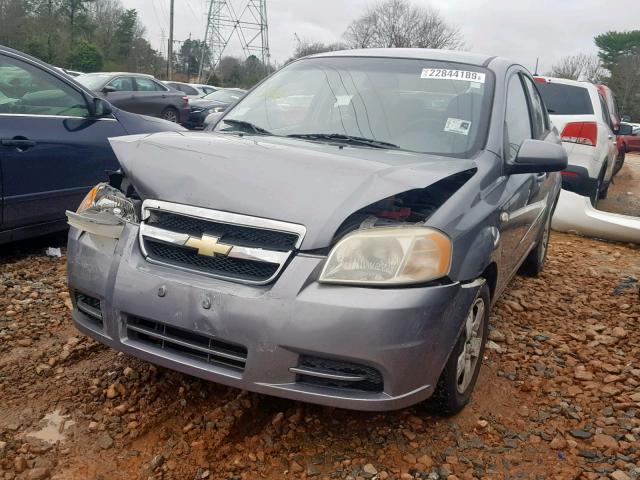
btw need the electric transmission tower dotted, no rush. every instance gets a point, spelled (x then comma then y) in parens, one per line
(245, 20)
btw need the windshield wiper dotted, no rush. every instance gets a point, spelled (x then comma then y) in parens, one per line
(369, 142)
(247, 126)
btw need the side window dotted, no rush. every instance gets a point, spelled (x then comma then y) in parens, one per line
(27, 90)
(538, 110)
(188, 90)
(606, 117)
(148, 85)
(517, 121)
(122, 84)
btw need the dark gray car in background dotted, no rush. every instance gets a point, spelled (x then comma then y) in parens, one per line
(212, 103)
(339, 237)
(138, 93)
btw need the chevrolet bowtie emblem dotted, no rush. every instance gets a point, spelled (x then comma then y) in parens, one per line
(208, 246)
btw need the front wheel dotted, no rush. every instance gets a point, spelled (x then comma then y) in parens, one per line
(170, 114)
(620, 160)
(534, 263)
(460, 374)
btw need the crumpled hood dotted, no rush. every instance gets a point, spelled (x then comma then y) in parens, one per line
(313, 184)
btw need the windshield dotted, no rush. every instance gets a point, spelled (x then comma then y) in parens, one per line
(92, 82)
(224, 96)
(418, 105)
(563, 99)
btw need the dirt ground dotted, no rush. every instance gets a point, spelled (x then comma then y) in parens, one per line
(558, 395)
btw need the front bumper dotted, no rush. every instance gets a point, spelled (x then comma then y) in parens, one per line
(404, 334)
(195, 120)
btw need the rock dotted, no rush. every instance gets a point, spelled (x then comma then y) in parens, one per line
(579, 433)
(370, 470)
(3, 445)
(493, 346)
(496, 335)
(39, 473)
(619, 475)
(278, 419)
(426, 460)
(604, 441)
(115, 390)
(581, 374)
(619, 332)
(20, 464)
(24, 342)
(104, 441)
(295, 467)
(558, 442)
(635, 397)
(156, 462)
(482, 423)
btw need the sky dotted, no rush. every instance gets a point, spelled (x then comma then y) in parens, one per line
(517, 29)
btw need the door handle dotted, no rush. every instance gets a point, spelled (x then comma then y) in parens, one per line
(20, 143)
(541, 177)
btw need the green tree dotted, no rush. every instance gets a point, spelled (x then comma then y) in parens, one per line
(614, 44)
(86, 57)
(190, 56)
(125, 34)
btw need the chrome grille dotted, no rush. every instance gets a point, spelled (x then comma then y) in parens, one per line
(186, 343)
(259, 247)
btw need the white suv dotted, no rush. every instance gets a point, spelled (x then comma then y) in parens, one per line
(580, 114)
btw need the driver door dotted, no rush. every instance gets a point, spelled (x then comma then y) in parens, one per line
(51, 153)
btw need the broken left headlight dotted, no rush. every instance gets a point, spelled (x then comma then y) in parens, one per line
(104, 211)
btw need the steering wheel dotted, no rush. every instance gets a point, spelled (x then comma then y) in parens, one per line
(79, 105)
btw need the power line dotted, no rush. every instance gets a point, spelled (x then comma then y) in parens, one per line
(250, 27)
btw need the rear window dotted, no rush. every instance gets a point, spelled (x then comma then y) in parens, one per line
(565, 99)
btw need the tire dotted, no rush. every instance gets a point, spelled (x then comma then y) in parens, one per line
(170, 114)
(595, 193)
(457, 380)
(603, 191)
(620, 160)
(534, 263)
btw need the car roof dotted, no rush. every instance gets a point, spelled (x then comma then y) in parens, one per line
(414, 53)
(116, 74)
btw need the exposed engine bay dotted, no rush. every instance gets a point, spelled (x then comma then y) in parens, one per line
(410, 207)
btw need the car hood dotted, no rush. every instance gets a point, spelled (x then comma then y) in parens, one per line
(200, 103)
(309, 183)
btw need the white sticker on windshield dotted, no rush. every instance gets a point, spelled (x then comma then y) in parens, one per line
(446, 74)
(456, 125)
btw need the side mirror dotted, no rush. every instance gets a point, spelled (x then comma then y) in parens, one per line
(101, 108)
(624, 129)
(537, 156)
(108, 89)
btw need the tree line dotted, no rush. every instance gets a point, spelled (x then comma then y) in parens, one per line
(85, 35)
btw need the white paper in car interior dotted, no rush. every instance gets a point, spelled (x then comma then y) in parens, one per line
(457, 125)
(447, 74)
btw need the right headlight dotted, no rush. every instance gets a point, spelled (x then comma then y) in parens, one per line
(104, 211)
(389, 256)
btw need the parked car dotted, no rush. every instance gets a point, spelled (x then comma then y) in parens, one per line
(139, 93)
(53, 144)
(580, 113)
(629, 138)
(614, 117)
(348, 259)
(216, 102)
(192, 90)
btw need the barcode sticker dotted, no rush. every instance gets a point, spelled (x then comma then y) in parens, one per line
(446, 74)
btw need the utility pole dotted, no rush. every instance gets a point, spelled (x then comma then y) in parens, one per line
(170, 46)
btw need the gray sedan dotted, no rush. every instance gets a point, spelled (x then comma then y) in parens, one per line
(139, 93)
(338, 238)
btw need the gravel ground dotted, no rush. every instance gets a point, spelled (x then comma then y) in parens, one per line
(558, 395)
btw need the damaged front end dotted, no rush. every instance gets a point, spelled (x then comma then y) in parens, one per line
(237, 298)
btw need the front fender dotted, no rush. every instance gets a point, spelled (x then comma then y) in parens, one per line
(482, 251)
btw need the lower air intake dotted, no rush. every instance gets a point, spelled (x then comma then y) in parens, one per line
(338, 374)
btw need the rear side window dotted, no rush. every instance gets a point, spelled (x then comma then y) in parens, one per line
(186, 89)
(122, 84)
(565, 99)
(148, 85)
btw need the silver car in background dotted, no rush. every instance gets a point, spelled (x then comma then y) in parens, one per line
(338, 238)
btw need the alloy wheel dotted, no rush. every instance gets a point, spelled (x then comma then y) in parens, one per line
(171, 116)
(470, 354)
